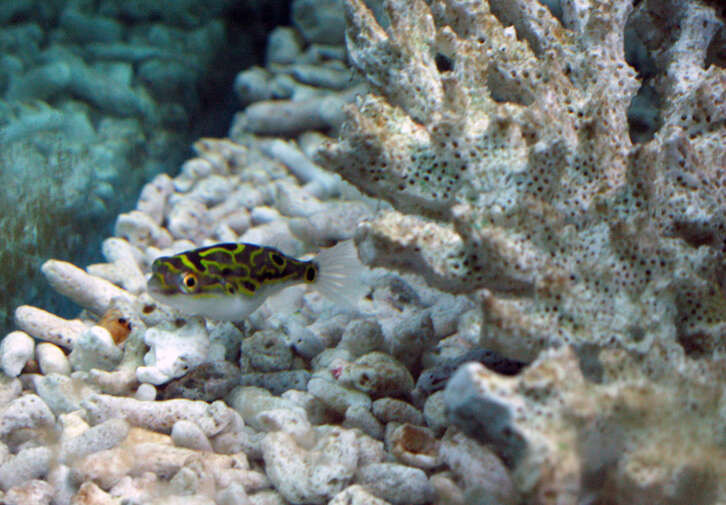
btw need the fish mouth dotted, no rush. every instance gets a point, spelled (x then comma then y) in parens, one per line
(173, 300)
(152, 283)
(156, 288)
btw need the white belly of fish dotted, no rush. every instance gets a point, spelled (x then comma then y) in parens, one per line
(222, 307)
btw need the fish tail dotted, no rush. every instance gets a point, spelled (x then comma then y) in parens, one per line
(339, 271)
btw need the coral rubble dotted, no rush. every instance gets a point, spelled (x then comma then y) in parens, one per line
(553, 333)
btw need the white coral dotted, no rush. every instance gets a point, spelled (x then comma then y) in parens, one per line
(500, 135)
(173, 352)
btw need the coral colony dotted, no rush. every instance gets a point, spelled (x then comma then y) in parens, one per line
(536, 194)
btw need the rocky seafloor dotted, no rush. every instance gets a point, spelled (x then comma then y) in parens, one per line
(541, 314)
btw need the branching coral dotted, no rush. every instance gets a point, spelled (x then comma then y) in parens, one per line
(500, 135)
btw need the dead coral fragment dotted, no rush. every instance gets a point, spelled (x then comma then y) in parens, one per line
(415, 446)
(625, 441)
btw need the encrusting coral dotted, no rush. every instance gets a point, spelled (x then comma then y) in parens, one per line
(500, 134)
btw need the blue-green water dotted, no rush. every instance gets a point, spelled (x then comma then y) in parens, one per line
(94, 101)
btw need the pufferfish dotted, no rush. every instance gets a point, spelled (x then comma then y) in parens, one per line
(230, 281)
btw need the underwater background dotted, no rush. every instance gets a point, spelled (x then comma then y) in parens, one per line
(97, 98)
(534, 192)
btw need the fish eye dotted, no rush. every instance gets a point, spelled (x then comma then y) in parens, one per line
(310, 274)
(277, 259)
(190, 280)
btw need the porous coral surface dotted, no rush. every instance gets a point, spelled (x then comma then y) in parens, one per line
(500, 135)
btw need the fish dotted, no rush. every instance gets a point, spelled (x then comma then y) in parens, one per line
(229, 281)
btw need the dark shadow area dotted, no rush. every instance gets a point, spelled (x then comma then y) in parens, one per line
(248, 24)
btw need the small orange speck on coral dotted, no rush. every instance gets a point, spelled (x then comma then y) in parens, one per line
(31, 367)
(117, 325)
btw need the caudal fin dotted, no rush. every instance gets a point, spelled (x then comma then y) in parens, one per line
(339, 272)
